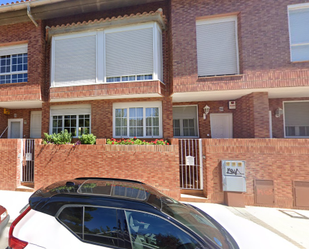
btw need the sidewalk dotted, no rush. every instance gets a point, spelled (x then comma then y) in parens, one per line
(293, 229)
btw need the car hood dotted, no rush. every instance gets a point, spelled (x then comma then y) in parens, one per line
(246, 233)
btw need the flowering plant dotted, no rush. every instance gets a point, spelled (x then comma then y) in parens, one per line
(136, 141)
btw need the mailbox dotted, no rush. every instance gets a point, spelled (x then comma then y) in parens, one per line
(233, 176)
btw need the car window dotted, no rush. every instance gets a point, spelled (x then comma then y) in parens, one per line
(150, 231)
(193, 219)
(72, 217)
(97, 225)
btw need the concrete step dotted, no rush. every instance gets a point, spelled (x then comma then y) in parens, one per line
(193, 198)
(24, 189)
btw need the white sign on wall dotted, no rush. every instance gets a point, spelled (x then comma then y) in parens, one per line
(28, 156)
(190, 160)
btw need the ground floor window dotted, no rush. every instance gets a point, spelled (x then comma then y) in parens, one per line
(76, 119)
(296, 115)
(185, 121)
(137, 119)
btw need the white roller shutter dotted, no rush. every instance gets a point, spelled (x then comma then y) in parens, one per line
(184, 112)
(217, 51)
(75, 60)
(16, 49)
(70, 110)
(299, 32)
(129, 52)
(296, 114)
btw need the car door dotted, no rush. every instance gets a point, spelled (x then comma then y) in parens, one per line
(151, 231)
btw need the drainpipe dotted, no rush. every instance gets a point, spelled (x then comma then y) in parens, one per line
(30, 16)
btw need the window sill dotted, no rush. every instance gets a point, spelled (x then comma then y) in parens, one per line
(296, 62)
(8, 84)
(220, 76)
(104, 83)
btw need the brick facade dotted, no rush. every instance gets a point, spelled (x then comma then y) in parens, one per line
(266, 159)
(154, 165)
(34, 37)
(263, 45)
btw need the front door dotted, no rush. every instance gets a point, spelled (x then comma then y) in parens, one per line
(15, 129)
(221, 125)
(36, 124)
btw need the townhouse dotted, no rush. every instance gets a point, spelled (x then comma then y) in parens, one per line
(171, 69)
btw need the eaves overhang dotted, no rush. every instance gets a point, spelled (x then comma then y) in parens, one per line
(98, 24)
(19, 5)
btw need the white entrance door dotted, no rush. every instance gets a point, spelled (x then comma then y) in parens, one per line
(221, 125)
(35, 124)
(15, 129)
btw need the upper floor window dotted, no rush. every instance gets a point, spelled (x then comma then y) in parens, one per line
(217, 46)
(299, 32)
(13, 64)
(129, 53)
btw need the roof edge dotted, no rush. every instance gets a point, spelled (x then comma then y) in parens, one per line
(19, 5)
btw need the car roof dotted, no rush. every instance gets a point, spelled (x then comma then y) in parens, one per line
(96, 191)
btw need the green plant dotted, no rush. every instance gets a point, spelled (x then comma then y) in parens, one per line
(136, 141)
(87, 139)
(64, 137)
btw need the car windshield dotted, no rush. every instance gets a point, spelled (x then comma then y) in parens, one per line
(195, 221)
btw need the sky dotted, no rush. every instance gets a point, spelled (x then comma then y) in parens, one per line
(7, 1)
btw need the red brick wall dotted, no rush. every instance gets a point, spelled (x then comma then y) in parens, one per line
(280, 160)
(263, 45)
(10, 164)
(154, 165)
(34, 36)
(102, 115)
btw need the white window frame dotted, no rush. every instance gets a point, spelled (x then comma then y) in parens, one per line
(284, 126)
(181, 123)
(220, 20)
(157, 73)
(144, 105)
(67, 112)
(14, 50)
(295, 7)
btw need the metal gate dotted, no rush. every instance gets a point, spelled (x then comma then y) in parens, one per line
(191, 164)
(27, 171)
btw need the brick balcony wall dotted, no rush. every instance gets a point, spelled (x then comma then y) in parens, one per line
(10, 164)
(264, 49)
(34, 36)
(155, 165)
(280, 160)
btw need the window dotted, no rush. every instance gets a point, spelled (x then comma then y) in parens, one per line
(130, 53)
(75, 119)
(137, 119)
(296, 116)
(185, 121)
(217, 46)
(299, 32)
(149, 231)
(13, 64)
(102, 226)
